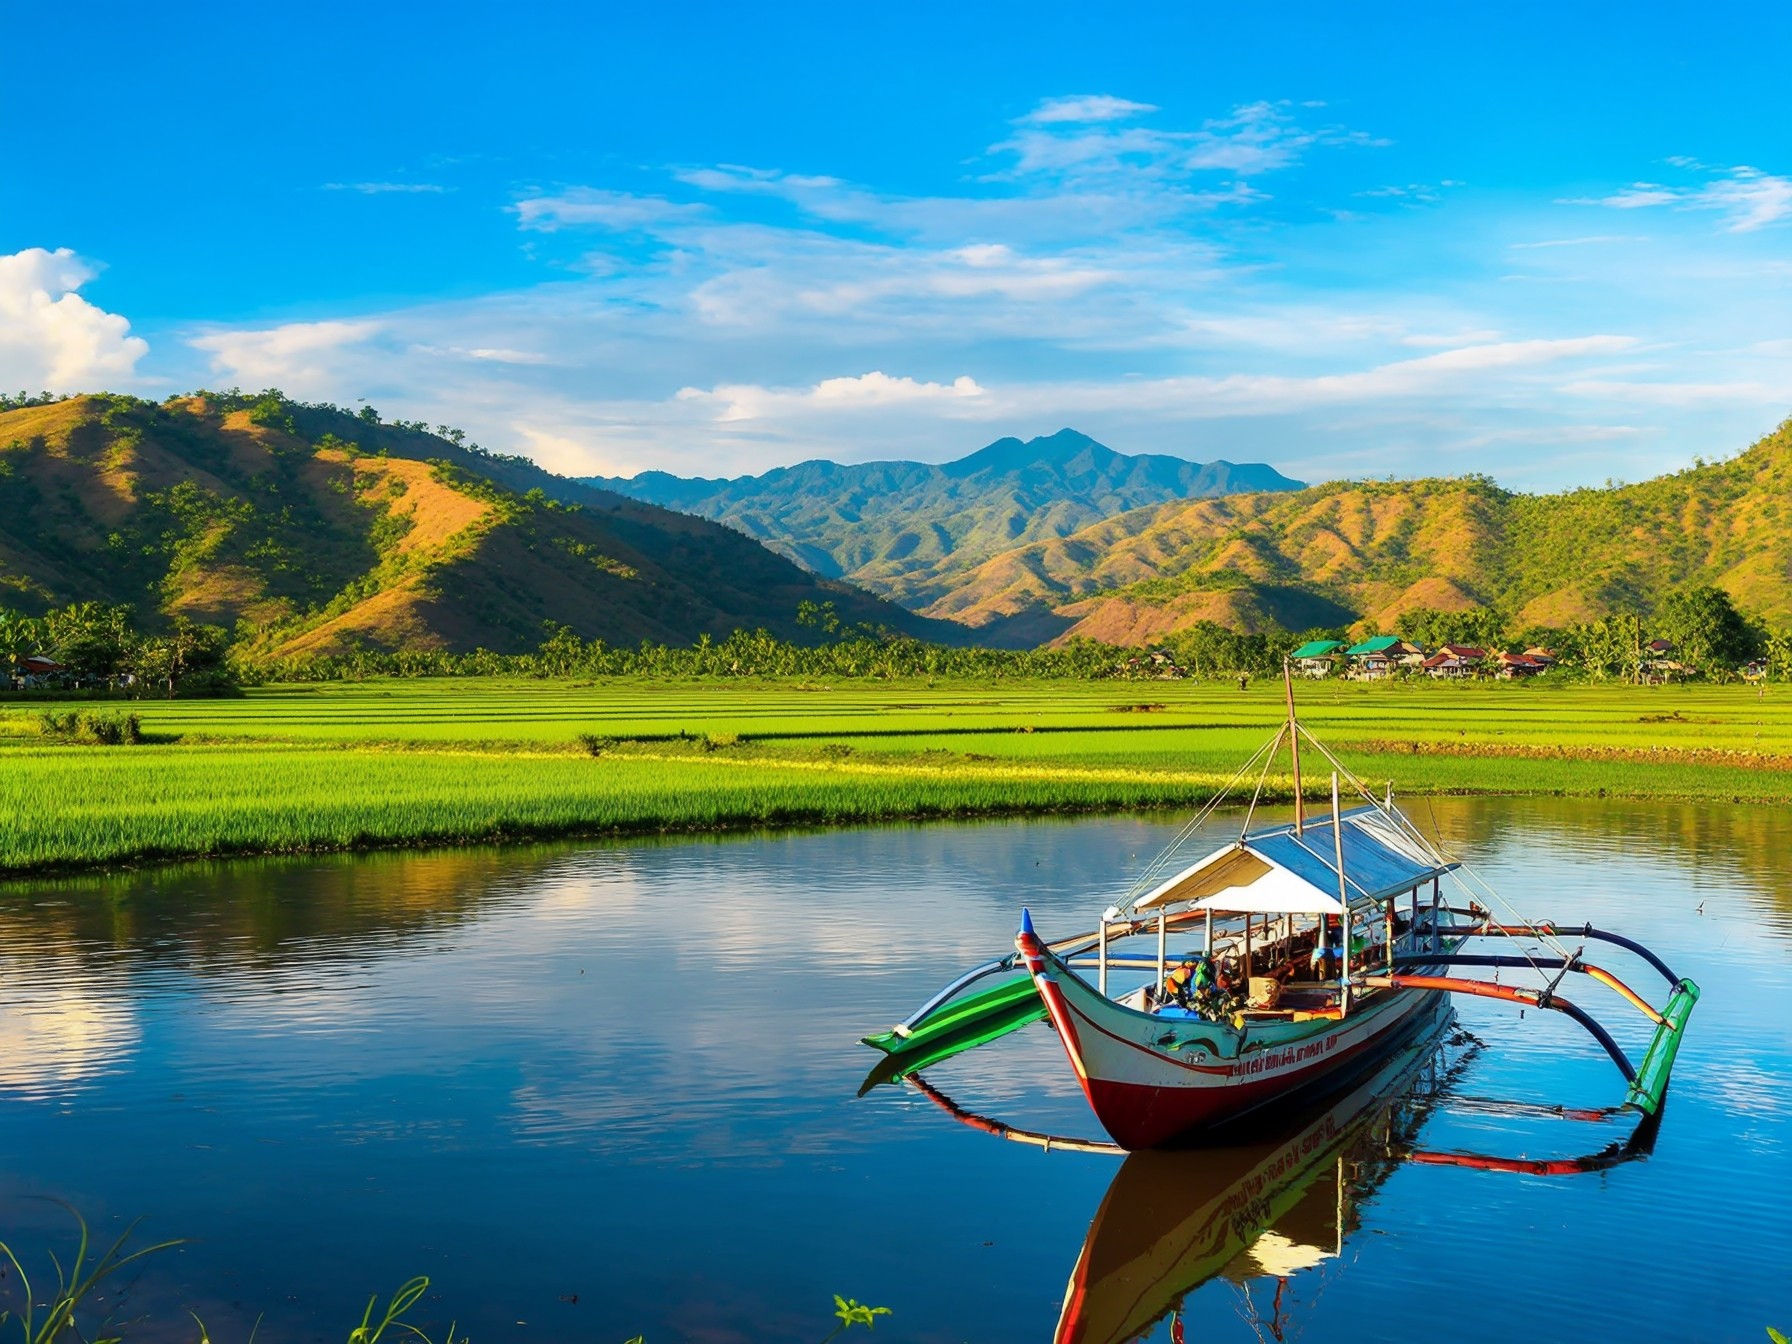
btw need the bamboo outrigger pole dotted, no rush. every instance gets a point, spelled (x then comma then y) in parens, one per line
(1300, 826)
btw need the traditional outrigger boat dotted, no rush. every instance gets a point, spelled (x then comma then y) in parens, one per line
(1323, 942)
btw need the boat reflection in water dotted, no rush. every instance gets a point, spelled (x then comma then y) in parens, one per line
(1261, 1210)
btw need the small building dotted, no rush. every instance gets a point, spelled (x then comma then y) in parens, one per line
(1538, 654)
(1659, 648)
(1316, 657)
(1512, 666)
(1153, 663)
(39, 671)
(1454, 660)
(1382, 656)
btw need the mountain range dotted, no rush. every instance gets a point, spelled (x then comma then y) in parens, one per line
(320, 530)
(1360, 553)
(325, 531)
(912, 531)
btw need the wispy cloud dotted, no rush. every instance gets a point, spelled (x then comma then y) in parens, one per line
(1254, 138)
(486, 354)
(1591, 240)
(389, 188)
(1414, 193)
(1746, 198)
(1085, 107)
(590, 206)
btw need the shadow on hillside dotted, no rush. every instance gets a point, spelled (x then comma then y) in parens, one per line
(1023, 630)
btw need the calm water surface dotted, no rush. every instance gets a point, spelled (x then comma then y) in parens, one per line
(596, 1091)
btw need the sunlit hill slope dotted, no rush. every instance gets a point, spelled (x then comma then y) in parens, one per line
(327, 531)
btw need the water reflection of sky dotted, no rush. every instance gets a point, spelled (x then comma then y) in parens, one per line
(627, 1073)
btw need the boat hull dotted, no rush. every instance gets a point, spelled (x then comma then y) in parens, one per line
(1153, 1080)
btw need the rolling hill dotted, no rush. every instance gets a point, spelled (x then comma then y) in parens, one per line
(910, 531)
(1361, 553)
(325, 531)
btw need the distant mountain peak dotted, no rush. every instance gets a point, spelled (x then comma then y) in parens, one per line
(1012, 454)
(907, 530)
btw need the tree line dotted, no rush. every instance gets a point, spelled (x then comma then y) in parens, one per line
(99, 646)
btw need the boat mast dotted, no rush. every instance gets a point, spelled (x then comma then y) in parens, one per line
(1300, 820)
(1344, 897)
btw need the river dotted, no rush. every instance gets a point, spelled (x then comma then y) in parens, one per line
(598, 1091)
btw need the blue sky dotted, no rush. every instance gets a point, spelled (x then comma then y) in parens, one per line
(1549, 243)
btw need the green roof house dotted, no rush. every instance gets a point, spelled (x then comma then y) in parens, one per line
(1314, 658)
(1382, 657)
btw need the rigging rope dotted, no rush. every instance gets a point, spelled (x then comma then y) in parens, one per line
(1154, 870)
(1459, 874)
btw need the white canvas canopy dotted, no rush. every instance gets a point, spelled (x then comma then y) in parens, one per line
(1279, 872)
(1236, 880)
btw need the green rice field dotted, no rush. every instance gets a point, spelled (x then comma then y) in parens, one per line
(348, 765)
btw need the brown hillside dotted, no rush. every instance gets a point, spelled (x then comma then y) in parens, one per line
(325, 531)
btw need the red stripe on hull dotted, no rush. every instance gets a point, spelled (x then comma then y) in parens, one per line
(1137, 1116)
(1102, 1040)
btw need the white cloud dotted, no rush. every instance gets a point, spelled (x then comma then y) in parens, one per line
(51, 337)
(1747, 198)
(869, 391)
(1085, 107)
(302, 358)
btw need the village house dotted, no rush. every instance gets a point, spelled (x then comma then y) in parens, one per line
(1382, 657)
(1316, 657)
(1158, 663)
(1454, 660)
(1511, 666)
(1659, 664)
(37, 672)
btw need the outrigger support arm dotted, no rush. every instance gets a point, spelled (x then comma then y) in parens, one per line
(970, 977)
(1574, 963)
(1531, 998)
(1549, 929)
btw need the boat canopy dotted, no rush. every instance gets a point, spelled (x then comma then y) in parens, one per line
(1275, 871)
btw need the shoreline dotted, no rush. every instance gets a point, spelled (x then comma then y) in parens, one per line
(387, 766)
(788, 821)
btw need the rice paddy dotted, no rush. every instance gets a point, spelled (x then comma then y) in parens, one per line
(353, 765)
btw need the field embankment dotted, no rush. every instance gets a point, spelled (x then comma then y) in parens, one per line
(342, 766)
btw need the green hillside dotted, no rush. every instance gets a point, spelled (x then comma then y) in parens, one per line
(909, 531)
(1362, 553)
(326, 531)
